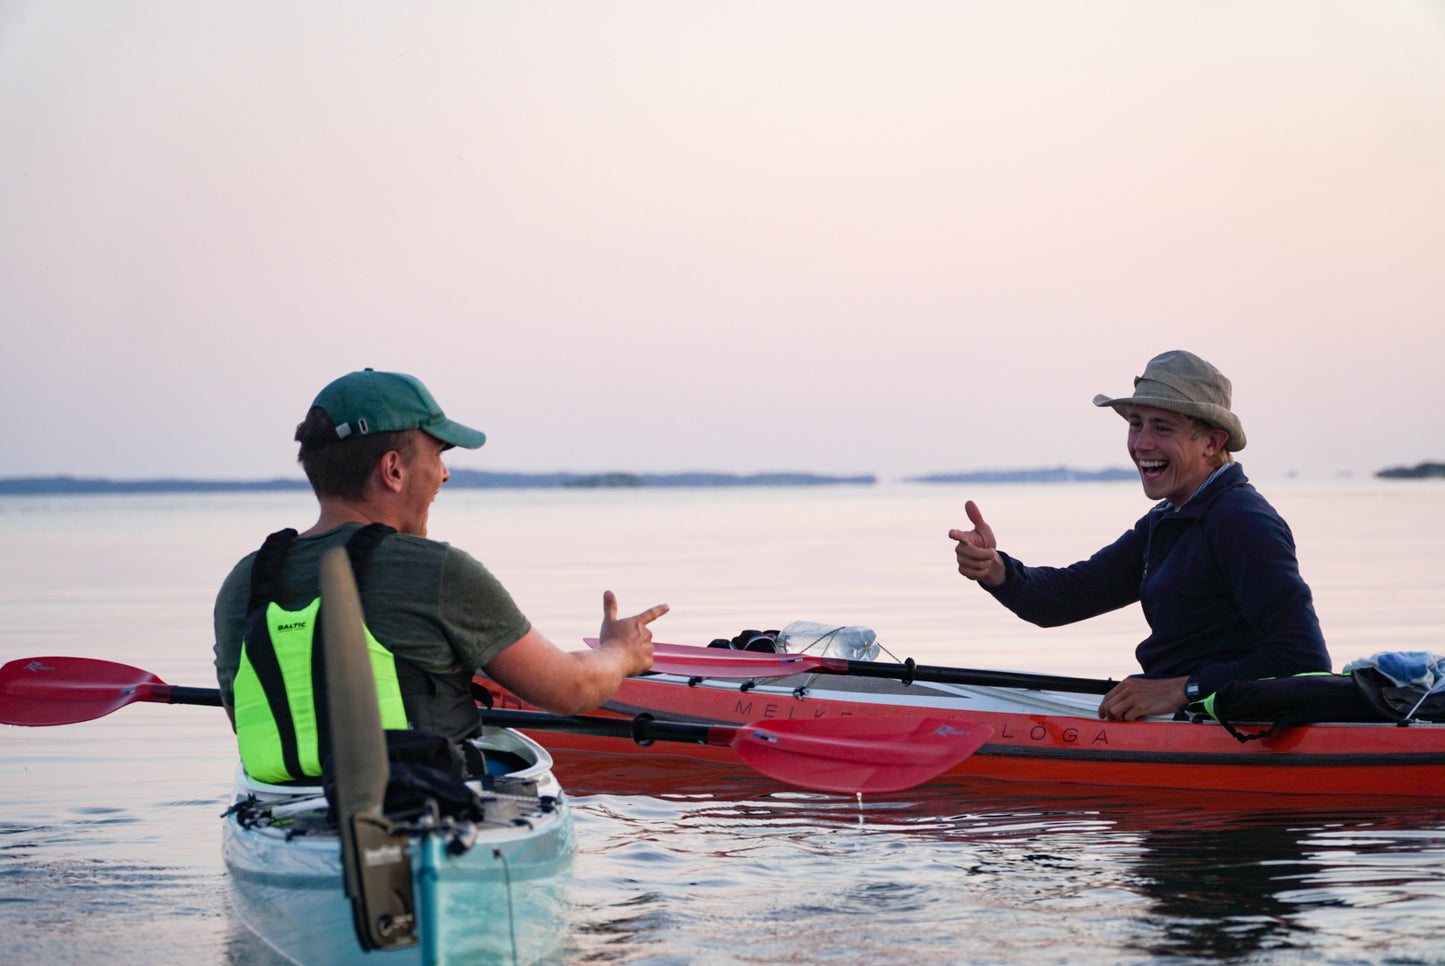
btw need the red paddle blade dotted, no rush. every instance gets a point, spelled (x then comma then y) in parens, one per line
(39, 691)
(717, 662)
(697, 662)
(858, 753)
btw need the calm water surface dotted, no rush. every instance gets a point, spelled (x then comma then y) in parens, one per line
(109, 838)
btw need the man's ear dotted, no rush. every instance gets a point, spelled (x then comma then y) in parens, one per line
(390, 472)
(1218, 439)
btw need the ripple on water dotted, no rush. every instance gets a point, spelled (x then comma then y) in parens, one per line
(981, 874)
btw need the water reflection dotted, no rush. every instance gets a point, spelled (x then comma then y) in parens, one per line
(1225, 876)
(990, 871)
(1220, 892)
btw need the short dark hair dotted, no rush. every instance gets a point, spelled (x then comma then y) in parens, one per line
(339, 468)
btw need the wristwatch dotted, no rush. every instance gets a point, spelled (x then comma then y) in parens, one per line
(1191, 690)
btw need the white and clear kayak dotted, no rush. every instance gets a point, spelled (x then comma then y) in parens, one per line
(492, 891)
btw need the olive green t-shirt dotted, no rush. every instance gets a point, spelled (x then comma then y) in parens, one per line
(426, 601)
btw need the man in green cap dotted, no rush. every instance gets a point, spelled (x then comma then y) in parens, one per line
(371, 446)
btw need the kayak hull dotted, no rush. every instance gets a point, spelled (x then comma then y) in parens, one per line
(485, 893)
(1049, 737)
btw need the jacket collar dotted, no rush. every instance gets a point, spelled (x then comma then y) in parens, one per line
(1200, 502)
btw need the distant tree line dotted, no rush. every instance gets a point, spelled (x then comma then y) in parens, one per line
(459, 478)
(1418, 472)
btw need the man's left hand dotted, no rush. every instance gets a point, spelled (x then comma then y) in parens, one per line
(1135, 697)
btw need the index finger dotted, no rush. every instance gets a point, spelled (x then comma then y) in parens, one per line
(652, 613)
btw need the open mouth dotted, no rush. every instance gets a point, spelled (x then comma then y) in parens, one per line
(1152, 469)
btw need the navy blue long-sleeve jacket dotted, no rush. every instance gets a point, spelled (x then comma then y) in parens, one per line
(1218, 581)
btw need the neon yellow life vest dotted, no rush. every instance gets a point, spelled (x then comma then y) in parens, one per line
(280, 725)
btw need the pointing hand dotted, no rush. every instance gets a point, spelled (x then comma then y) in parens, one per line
(976, 549)
(630, 635)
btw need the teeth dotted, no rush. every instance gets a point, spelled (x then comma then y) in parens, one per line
(1153, 464)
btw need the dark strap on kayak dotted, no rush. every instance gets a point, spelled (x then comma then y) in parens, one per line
(1276, 704)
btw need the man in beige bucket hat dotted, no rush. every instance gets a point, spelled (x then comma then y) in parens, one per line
(1212, 563)
(1182, 382)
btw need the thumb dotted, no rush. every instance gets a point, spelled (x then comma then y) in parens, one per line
(609, 607)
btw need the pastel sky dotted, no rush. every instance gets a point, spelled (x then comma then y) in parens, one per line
(838, 236)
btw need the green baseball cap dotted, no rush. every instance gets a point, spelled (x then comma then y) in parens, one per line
(386, 402)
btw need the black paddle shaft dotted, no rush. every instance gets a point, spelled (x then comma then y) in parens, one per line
(210, 697)
(908, 672)
(643, 729)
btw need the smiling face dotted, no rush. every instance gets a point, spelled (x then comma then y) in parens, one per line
(425, 474)
(1173, 455)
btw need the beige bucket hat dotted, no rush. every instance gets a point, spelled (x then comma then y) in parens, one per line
(1181, 382)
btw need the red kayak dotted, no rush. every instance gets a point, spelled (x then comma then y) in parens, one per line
(1039, 735)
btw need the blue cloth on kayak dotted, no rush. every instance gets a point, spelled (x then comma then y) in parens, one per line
(1218, 580)
(1418, 669)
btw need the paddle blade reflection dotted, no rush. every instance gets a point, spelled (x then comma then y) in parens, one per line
(859, 754)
